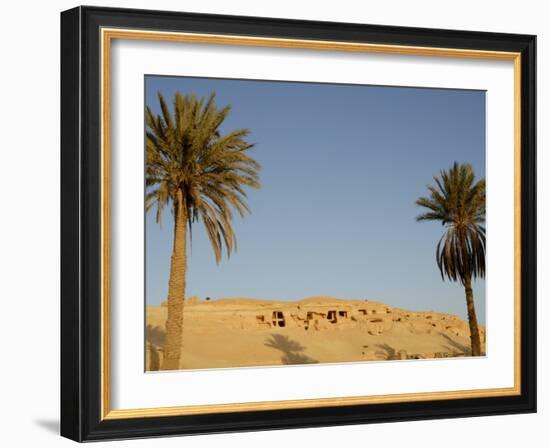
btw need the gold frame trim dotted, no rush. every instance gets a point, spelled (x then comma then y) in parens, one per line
(107, 35)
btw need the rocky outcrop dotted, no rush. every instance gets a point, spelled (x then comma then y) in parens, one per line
(378, 331)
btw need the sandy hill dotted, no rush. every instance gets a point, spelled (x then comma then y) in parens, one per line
(239, 332)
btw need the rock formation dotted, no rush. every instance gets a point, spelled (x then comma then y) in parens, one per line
(331, 330)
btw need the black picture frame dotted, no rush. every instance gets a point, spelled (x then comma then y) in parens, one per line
(81, 228)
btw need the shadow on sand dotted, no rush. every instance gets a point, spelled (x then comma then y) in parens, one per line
(460, 348)
(155, 335)
(388, 351)
(291, 350)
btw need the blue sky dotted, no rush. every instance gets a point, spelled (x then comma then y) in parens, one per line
(342, 166)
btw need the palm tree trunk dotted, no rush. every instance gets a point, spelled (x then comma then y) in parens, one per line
(176, 289)
(472, 318)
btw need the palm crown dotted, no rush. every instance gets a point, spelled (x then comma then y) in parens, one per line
(201, 172)
(459, 203)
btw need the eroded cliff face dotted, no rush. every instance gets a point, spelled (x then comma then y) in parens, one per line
(327, 329)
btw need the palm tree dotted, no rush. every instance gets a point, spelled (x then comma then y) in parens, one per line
(200, 174)
(458, 202)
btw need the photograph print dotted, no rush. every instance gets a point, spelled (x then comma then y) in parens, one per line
(296, 223)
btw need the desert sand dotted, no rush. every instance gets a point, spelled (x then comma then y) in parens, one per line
(251, 332)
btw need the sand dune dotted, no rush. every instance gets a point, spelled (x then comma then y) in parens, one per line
(241, 332)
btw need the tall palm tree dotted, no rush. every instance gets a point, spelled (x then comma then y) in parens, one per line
(200, 174)
(458, 202)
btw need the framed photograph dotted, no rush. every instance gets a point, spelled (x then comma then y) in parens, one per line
(272, 223)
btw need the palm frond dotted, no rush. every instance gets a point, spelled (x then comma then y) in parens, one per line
(458, 202)
(186, 152)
